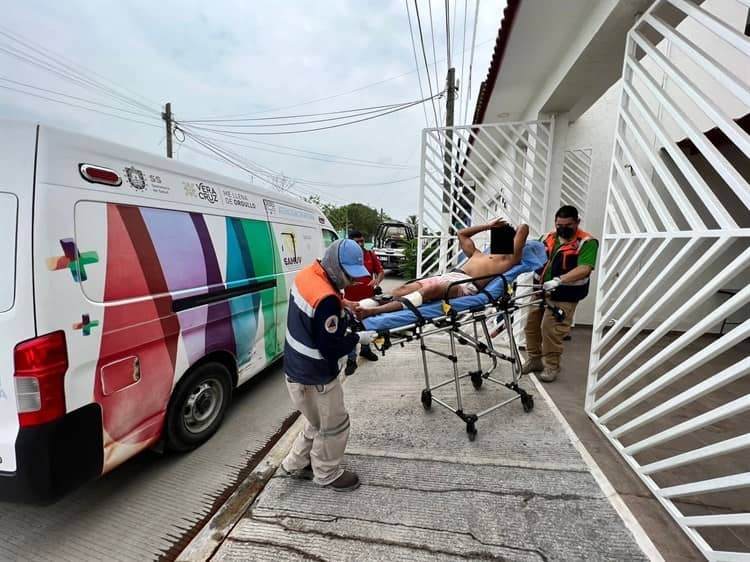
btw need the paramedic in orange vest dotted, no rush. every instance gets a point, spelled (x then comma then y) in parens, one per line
(571, 254)
(316, 341)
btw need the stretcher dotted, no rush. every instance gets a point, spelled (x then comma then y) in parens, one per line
(466, 320)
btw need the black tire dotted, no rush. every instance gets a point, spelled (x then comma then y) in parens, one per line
(476, 380)
(426, 399)
(528, 403)
(197, 407)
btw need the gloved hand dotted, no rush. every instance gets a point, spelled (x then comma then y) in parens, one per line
(552, 284)
(366, 337)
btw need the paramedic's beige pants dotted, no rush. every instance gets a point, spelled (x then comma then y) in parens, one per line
(322, 441)
(544, 334)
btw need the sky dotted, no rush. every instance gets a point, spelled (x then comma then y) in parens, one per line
(253, 60)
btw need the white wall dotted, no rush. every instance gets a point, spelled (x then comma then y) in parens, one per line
(595, 129)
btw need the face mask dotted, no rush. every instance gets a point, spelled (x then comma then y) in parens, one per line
(565, 232)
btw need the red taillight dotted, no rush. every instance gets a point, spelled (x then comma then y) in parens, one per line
(97, 174)
(40, 366)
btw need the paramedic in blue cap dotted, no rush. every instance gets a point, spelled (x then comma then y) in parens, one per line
(316, 340)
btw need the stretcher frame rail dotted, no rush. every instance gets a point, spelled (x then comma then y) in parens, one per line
(456, 323)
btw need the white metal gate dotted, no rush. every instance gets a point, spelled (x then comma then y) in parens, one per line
(668, 380)
(472, 174)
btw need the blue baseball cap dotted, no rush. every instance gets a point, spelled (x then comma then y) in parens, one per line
(351, 260)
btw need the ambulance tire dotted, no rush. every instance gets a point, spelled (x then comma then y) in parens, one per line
(197, 407)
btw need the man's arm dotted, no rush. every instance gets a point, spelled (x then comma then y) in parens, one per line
(576, 274)
(586, 263)
(329, 328)
(465, 234)
(522, 233)
(379, 273)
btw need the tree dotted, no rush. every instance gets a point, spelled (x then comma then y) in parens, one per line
(354, 216)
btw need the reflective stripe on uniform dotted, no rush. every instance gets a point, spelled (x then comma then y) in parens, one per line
(301, 303)
(300, 347)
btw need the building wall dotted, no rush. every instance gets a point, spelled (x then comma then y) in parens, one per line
(595, 129)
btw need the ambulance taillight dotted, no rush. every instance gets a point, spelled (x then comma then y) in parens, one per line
(40, 366)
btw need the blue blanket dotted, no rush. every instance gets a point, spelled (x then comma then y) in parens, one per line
(534, 257)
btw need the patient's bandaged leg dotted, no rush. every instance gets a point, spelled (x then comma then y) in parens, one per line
(414, 298)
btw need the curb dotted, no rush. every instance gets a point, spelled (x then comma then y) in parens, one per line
(205, 544)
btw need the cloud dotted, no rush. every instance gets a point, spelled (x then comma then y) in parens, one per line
(249, 57)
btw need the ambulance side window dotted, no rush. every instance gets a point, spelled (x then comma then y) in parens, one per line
(329, 237)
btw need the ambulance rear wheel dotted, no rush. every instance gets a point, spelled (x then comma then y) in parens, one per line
(197, 407)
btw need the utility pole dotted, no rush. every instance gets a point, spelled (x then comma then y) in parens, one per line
(447, 179)
(167, 116)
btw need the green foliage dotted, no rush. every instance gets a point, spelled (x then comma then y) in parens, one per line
(354, 216)
(409, 269)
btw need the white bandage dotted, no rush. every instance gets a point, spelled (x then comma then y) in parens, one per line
(414, 298)
(368, 303)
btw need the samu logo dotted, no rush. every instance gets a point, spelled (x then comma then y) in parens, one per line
(207, 193)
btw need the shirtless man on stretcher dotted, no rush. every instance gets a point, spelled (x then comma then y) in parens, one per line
(478, 265)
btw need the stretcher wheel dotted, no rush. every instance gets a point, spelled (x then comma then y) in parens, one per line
(426, 399)
(471, 430)
(528, 402)
(476, 380)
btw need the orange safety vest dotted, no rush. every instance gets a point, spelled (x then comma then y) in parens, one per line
(563, 260)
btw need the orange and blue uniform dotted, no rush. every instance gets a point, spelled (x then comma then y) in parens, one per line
(316, 335)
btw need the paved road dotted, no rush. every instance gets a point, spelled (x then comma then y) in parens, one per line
(150, 507)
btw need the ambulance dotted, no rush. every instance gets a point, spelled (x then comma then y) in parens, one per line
(136, 294)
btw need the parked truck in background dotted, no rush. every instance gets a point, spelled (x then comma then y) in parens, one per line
(391, 238)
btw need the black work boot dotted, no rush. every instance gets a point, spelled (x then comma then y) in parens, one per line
(368, 354)
(347, 482)
(300, 474)
(351, 366)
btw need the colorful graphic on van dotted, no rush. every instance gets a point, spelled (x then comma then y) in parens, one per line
(85, 324)
(155, 258)
(73, 260)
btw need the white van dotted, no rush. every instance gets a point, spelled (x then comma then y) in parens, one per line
(136, 293)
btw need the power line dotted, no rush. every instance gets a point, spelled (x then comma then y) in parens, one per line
(331, 158)
(463, 56)
(80, 106)
(140, 114)
(234, 122)
(416, 62)
(226, 160)
(67, 73)
(400, 108)
(261, 170)
(448, 31)
(374, 107)
(424, 56)
(316, 100)
(471, 61)
(434, 55)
